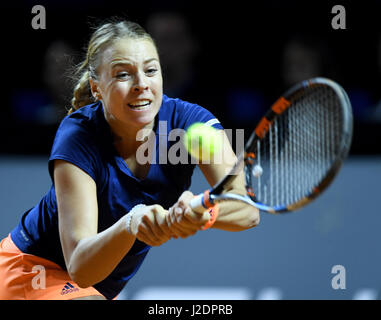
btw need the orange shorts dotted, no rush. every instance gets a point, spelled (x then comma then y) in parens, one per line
(28, 277)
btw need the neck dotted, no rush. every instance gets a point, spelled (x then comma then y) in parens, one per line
(125, 137)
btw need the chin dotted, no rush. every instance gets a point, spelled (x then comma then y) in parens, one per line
(145, 118)
(141, 121)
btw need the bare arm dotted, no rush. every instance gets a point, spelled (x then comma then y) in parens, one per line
(91, 256)
(233, 216)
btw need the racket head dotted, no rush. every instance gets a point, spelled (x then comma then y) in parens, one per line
(298, 147)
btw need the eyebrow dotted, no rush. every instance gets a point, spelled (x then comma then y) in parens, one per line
(118, 62)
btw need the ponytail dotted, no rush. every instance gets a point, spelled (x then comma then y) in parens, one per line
(82, 93)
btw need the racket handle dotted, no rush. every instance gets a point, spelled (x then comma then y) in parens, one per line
(197, 204)
(201, 203)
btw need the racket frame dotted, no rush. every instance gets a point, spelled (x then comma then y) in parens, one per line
(246, 158)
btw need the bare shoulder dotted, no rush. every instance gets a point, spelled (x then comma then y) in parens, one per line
(67, 173)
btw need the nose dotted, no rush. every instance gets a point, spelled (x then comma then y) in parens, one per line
(140, 83)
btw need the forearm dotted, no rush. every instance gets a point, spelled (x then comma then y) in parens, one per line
(236, 216)
(94, 258)
(233, 216)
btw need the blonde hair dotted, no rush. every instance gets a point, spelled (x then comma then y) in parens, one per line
(103, 37)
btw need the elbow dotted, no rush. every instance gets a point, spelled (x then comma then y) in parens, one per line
(255, 217)
(249, 218)
(245, 218)
(82, 282)
(80, 278)
(252, 218)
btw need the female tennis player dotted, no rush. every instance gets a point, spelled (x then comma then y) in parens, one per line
(105, 209)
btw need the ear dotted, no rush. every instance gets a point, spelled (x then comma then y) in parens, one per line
(94, 87)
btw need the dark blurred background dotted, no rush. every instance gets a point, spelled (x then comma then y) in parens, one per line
(235, 58)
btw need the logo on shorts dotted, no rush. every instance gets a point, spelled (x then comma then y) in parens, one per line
(68, 288)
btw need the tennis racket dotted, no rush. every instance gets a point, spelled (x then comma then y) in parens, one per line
(295, 151)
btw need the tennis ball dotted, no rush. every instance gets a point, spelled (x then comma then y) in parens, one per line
(202, 141)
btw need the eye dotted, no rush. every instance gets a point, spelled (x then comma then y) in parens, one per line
(122, 75)
(151, 71)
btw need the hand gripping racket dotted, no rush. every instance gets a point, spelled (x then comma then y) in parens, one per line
(294, 153)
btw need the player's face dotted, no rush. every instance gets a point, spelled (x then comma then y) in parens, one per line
(130, 83)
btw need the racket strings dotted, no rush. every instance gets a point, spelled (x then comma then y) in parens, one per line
(299, 148)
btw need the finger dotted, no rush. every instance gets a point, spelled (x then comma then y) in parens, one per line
(168, 220)
(186, 196)
(184, 199)
(180, 225)
(184, 229)
(177, 214)
(192, 216)
(171, 218)
(160, 217)
(149, 221)
(158, 223)
(161, 226)
(187, 224)
(152, 227)
(146, 235)
(176, 232)
(174, 216)
(183, 233)
(196, 218)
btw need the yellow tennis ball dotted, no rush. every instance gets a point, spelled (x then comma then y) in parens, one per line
(202, 141)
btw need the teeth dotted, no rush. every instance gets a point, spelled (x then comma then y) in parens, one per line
(140, 103)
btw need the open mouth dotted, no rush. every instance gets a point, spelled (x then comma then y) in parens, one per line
(140, 104)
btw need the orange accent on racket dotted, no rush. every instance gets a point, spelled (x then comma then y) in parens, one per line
(206, 199)
(262, 127)
(213, 211)
(280, 105)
